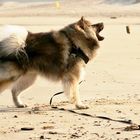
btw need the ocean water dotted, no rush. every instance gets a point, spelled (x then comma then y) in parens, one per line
(122, 1)
(106, 1)
(27, 1)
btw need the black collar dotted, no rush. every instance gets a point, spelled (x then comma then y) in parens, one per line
(76, 50)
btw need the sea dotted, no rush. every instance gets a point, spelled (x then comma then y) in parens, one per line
(27, 1)
(49, 1)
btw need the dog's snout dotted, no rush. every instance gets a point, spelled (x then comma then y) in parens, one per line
(98, 26)
(101, 25)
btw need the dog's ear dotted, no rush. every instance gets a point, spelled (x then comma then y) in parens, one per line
(82, 23)
(82, 19)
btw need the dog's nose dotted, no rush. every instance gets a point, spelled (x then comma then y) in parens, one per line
(101, 25)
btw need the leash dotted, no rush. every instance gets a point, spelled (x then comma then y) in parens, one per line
(129, 128)
(58, 93)
(132, 126)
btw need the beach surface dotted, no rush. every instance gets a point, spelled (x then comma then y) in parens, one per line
(112, 82)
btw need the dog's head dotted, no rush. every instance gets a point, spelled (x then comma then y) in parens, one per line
(85, 35)
(90, 28)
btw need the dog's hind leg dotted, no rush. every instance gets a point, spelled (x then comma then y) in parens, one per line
(21, 84)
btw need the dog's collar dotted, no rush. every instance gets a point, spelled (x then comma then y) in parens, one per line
(76, 50)
(79, 53)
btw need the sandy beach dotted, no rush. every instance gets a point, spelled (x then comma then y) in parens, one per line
(112, 82)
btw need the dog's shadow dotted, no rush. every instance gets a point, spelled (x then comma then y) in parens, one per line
(37, 108)
(33, 109)
(14, 109)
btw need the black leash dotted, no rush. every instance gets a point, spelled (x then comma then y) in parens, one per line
(53, 96)
(89, 115)
(58, 93)
(132, 126)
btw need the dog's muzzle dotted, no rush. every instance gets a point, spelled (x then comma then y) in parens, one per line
(99, 27)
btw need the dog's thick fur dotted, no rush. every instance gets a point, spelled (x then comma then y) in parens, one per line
(54, 55)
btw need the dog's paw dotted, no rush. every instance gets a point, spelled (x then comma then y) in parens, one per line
(81, 106)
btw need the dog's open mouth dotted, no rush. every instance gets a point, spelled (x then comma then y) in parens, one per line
(99, 27)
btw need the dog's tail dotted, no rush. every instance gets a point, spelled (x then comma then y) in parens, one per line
(12, 45)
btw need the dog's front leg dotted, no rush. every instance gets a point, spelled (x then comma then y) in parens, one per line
(75, 96)
(71, 88)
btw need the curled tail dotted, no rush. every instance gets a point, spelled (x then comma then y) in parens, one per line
(12, 44)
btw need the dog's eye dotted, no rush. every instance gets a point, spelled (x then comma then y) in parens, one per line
(82, 27)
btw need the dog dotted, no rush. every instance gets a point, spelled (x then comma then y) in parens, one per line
(58, 55)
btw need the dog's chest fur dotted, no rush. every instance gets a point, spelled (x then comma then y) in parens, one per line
(82, 74)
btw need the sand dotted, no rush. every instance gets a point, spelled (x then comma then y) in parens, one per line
(112, 80)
